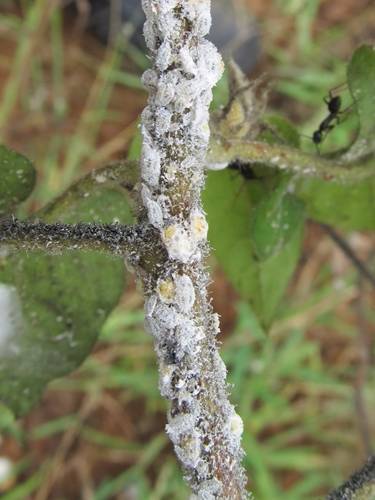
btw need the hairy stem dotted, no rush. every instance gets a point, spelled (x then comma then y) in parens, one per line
(361, 486)
(113, 238)
(288, 159)
(202, 424)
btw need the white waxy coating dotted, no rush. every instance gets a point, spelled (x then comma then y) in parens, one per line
(150, 303)
(185, 293)
(150, 79)
(163, 121)
(151, 164)
(209, 490)
(189, 337)
(199, 226)
(155, 213)
(165, 380)
(182, 424)
(217, 166)
(165, 318)
(189, 454)
(178, 242)
(187, 61)
(236, 425)
(164, 56)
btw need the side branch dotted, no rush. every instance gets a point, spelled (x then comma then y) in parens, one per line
(289, 160)
(116, 239)
(361, 486)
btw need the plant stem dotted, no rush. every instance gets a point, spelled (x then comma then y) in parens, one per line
(202, 424)
(361, 486)
(288, 159)
(116, 239)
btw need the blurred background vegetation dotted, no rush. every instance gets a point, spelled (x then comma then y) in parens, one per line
(305, 390)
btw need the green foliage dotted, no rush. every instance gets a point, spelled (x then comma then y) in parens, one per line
(17, 177)
(350, 206)
(58, 303)
(280, 131)
(347, 207)
(275, 220)
(256, 226)
(229, 202)
(220, 92)
(361, 78)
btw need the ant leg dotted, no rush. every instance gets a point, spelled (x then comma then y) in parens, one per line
(334, 92)
(343, 113)
(305, 136)
(338, 88)
(265, 127)
(331, 95)
(331, 127)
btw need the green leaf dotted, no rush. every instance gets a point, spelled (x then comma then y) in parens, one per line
(53, 306)
(274, 221)
(17, 176)
(280, 131)
(361, 82)
(220, 92)
(135, 148)
(347, 207)
(229, 201)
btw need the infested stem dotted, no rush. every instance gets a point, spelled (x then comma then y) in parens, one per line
(202, 424)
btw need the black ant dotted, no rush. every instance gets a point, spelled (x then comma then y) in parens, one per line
(243, 168)
(334, 104)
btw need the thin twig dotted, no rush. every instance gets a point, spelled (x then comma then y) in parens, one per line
(365, 349)
(350, 254)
